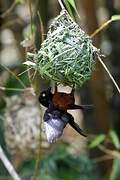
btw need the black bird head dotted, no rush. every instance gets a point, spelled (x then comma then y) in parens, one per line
(45, 97)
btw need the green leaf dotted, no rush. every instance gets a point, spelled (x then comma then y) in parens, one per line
(69, 3)
(115, 174)
(68, 8)
(19, 1)
(115, 18)
(115, 139)
(97, 140)
(72, 3)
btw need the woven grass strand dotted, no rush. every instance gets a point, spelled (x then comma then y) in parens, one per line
(67, 55)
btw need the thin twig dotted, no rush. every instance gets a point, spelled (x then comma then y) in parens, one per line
(61, 4)
(102, 158)
(38, 157)
(100, 28)
(9, 10)
(104, 25)
(41, 27)
(109, 152)
(36, 171)
(31, 20)
(8, 165)
(42, 39)
(113, 80)
(19, 80)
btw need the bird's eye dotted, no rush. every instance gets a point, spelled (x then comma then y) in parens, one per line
(43, 95)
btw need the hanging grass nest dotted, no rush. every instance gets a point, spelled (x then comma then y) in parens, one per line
(67, 55)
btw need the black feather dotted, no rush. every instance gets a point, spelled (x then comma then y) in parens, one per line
(75, 126)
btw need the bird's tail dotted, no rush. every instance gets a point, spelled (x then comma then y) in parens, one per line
(83, 107)
(76, 127)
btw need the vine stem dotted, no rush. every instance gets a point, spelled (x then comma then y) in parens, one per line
(113, 80)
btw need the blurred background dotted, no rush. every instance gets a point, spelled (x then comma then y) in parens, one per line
(21, 128)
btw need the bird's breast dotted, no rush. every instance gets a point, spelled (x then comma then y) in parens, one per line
(54, 129)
